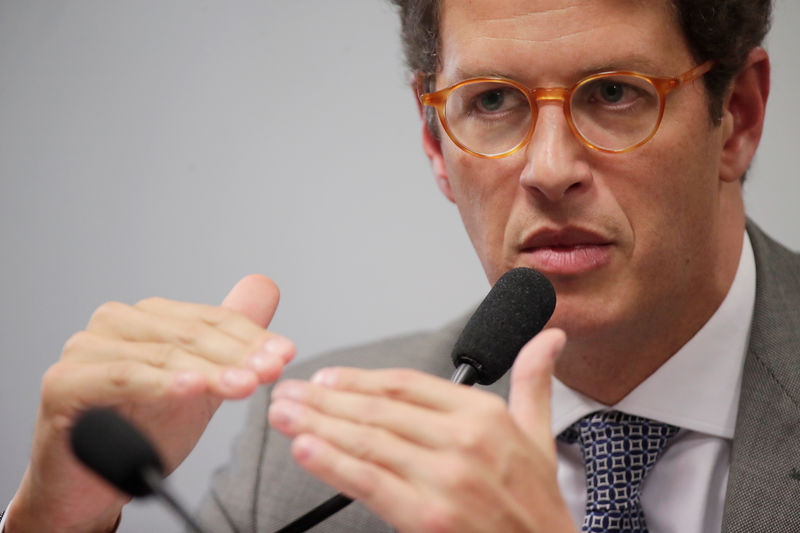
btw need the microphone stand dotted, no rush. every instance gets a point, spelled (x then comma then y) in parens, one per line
(152, 478)
(316, 515)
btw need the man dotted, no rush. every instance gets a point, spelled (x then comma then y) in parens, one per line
(628, 198)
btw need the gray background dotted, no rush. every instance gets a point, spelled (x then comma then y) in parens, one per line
(170, 147)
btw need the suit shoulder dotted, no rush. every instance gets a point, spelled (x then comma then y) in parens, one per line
(775, 262)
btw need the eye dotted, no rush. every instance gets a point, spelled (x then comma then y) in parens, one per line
(486, 101)
(612, 91)
(491, 100)
(617, 91)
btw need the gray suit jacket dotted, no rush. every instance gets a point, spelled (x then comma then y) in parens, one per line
(262, 488)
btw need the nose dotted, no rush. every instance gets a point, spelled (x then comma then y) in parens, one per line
(556, 164)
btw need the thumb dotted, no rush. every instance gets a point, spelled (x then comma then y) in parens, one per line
(256, 297)
(529, 398)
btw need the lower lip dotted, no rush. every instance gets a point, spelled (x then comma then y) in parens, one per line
(567, 260)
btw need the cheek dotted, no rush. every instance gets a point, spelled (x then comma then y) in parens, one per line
(672, 209)
(484, 192)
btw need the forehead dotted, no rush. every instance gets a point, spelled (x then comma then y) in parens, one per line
(528, 38)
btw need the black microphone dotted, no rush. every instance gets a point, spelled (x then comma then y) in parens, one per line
(120, 454)
(517, 308)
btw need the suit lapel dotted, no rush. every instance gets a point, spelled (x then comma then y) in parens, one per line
(763, 491)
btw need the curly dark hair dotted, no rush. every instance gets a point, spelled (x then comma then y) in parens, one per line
(723, 30)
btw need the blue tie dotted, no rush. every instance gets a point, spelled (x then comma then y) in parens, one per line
(618, 451)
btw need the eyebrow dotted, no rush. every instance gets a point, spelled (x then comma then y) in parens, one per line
(633, 63)
(461, 74)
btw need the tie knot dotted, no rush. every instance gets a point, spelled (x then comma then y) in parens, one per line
(618, 451)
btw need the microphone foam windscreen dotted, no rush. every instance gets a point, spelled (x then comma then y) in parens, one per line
(114, 450)
(514, 311)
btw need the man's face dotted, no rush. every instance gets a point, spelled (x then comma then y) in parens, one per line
(625, 238)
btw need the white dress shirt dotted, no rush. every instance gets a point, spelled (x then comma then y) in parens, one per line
(698, 390)
(3, 520)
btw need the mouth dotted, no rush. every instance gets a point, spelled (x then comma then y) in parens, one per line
(566, 252)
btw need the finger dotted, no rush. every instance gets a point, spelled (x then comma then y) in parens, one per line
(244, 314)
(420, 425)
(256, 297)
(451, 498)
(129, 323)
(369, 444)
(380, 490)
(226, 320)
(113, 383)
(405, 385)
(222, 381)
(529, 398)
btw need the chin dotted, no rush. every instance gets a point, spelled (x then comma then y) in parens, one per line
(581, 319)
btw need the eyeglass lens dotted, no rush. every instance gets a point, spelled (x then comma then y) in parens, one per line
(611, 112)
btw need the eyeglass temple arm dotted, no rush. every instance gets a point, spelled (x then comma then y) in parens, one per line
(427, 98)
(697, 71)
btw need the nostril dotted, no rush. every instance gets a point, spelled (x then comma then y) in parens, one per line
(556, 173)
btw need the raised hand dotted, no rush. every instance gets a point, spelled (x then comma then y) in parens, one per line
(164, 365)
(428, 455)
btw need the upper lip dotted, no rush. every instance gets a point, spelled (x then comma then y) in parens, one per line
(562, 237)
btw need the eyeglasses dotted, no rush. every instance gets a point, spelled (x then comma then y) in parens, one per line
(610, 112)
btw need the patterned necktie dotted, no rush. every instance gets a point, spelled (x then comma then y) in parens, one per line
(618, 451)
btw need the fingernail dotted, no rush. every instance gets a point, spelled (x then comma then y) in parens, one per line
(237, 377)
(325, 377)
(261, 362)
(304, 447)
(284, 414)
(559, 346)
(280, 347)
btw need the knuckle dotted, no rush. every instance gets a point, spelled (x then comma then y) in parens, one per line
(57, 387)
(470, 439)
(162, 355)
(51, 387)
(106, 312)
(52, 378)
(120, 375)
(370, 411)
(217, 316)
(404, 375)
(459, 476)
(493, 407)
(75, 344)
(437, 517)
(398, 382)
(486, 420)
(366, 483)
(153, 302)
(188, 334)
(362, 444)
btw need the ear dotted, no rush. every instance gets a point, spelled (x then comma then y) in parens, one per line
(433, 149)
(743, 115)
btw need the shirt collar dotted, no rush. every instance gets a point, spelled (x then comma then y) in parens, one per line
(697, 388)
